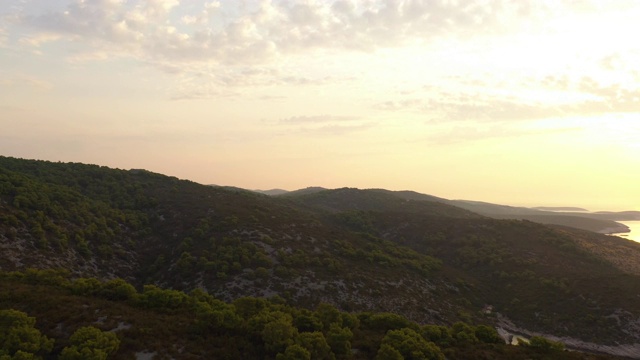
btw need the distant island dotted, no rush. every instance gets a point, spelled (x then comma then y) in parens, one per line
(559, 208)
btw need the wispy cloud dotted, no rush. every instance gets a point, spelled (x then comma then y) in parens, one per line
(474, 133)
(323, 125)
(524, 99)
(334, 129)
(244, 44)
(315, 119)
(258, 33)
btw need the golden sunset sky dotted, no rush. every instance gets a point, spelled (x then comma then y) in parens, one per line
(513, 102)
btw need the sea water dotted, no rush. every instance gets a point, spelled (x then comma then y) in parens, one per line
(634, 226)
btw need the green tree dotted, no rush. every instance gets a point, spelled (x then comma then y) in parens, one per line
(411, 345)
(437, 334)
(90, 343)
(487, 334)
(86, 286)
(387, 352)
(316, 344)
(463, 333)
(308, 323)
(155, 297)
(250, 306)
(117, 289)
(279, 333)
(294, 352)
(388, 321)
(19, 339)
(339, 339)
(328, 315)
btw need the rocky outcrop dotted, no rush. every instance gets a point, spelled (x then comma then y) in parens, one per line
(508, 330)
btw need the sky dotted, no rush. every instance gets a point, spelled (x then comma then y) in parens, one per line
(513, 102)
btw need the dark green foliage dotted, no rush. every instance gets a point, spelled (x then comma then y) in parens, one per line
(308, 323)
(388, 352)
(43, 276)
(279, 333)
(385, 321)
(204, 325)
(545, 345)
(90, 343)
(19, 339)
(294, 352)
(488, 335)
(463, 334)
(328, 315)
(56, 215)
(410, 345)
(248, 307)
(339, 339)
(83, 286)
(440, 335)
(155, 297)
(117, 289)
(316, 344)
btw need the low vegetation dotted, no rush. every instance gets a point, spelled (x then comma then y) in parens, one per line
(84, 318)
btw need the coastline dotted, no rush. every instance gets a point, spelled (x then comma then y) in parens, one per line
(631, 233)
(622, 229)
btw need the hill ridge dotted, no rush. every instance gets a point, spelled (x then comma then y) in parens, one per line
(360, 250)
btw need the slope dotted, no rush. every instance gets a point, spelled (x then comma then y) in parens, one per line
(361, 250)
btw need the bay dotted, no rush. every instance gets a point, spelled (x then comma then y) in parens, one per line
(634, 226)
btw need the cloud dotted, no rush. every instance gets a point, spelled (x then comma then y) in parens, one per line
(446, 106)
(412, 104)
(258, 33)
(205, 15)
(524, 99)
(38, 39)
(242, 44)
(317, 119)
(212, 80)
(335, 129)
(472, 133)
(201, 90)
(324, 125)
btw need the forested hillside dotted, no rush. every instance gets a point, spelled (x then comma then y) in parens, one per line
(44, 314)
(360, 251)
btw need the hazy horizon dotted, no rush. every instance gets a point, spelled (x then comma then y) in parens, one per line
(508, 102)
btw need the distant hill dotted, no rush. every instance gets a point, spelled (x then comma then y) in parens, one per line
(616, 216)
(603, 222)
(308, 190)
(598, 222)
(578, 222)
(272, 192)
(361, 251)
(412, 195)
(560, 208)
(351, 199)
